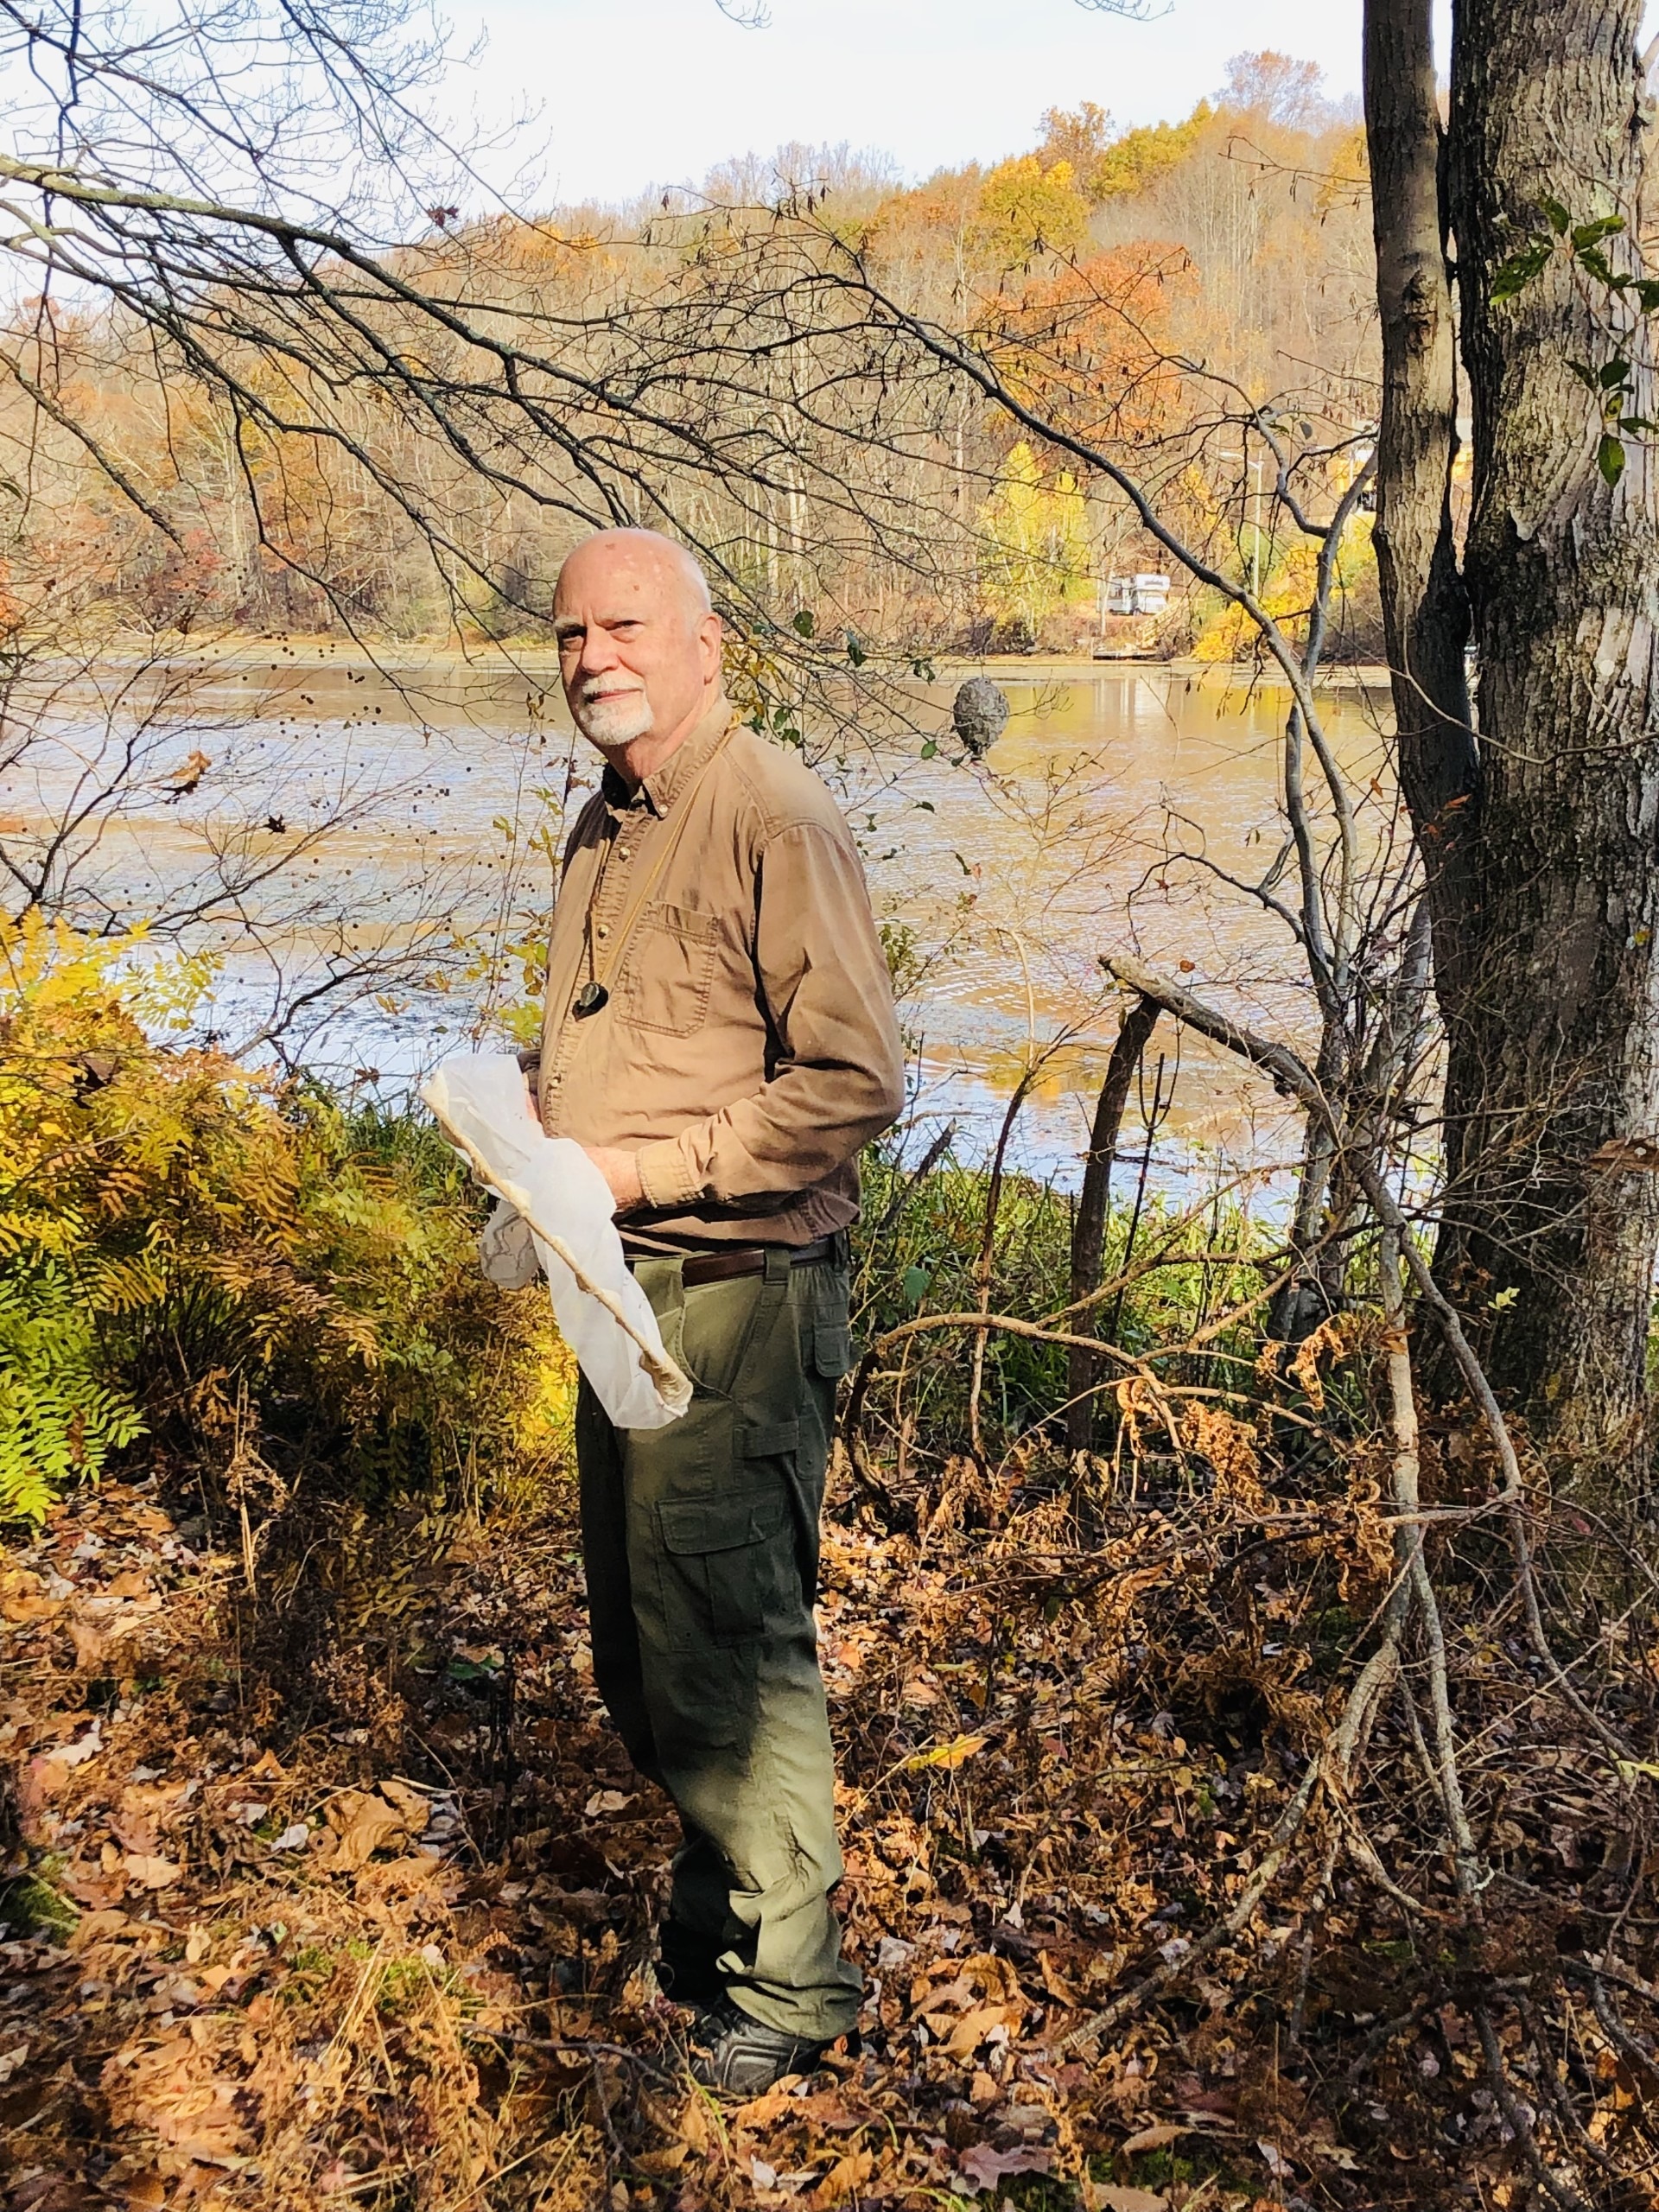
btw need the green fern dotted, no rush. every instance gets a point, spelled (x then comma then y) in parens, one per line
(58, 1419)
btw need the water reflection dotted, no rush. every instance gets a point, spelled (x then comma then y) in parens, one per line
(1128, 808)
(1124, 806)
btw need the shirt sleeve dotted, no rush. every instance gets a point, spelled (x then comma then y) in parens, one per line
(838, 1080)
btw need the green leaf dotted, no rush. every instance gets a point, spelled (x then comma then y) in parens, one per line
(1616, 372)
(1609, 458)
(1647, 290)
(930, 748)
(916, 1284)
(804, 623)
(1639, 426)
(1554, 215)
(1596, 262)
(856, 652)
(1587, 234)
(1589, 378)
(1513, 276)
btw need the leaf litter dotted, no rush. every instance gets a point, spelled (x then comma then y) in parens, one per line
(342, 1889)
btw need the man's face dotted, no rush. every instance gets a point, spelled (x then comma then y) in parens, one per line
(637, 650)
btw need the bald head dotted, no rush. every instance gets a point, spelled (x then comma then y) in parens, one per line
(661, 563)
(639, 645)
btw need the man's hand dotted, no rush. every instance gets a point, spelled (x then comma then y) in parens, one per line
(621, 1170)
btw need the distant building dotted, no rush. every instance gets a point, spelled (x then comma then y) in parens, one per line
(1146, 592)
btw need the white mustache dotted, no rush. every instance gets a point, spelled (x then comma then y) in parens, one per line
(595, 688)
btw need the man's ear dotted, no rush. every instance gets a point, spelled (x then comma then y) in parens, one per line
(711, 632)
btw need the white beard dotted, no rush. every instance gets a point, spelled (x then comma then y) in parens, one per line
(615, 721)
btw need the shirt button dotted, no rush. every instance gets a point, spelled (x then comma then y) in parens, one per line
(602, 930)
(621, 852)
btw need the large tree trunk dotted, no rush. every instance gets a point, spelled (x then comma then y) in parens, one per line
(1425, 609)
(1552, 1029)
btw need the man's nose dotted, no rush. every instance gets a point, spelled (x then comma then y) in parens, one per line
(599, 653)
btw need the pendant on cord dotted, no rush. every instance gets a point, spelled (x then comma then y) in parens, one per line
(589, 1000)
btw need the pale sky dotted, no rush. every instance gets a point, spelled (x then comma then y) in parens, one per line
(638, 92)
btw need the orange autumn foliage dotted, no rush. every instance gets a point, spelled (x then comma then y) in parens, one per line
(1086, 345)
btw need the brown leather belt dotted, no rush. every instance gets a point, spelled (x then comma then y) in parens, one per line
(744, 1260)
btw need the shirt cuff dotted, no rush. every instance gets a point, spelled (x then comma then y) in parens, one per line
(664, 1175)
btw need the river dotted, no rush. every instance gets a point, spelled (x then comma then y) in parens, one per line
(408, 796)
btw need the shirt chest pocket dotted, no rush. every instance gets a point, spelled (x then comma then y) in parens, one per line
(671, 970)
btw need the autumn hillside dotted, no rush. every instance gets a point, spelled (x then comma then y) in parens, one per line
(1135, 286)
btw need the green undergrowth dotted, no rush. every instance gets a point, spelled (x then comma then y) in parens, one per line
(919, 1254)
(254, 1277)
(276, 1285)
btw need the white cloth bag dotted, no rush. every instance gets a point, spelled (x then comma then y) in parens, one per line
(557, 1202)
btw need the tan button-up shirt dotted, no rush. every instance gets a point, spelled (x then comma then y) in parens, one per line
(748, 1046)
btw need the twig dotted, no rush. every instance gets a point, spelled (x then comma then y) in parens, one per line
(930, 1159)
(982, 1265)
(1520, 2126)
(1291, 1075)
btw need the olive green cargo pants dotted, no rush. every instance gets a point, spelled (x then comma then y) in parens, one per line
(700, 1544)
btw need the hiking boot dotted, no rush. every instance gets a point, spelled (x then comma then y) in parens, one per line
(743, 2057)
(693, 1983)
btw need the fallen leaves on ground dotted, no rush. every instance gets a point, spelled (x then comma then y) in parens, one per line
(346, 1893)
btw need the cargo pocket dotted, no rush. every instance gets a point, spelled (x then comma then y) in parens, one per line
(721, 1560)
(832, 1350)
(766, 1439)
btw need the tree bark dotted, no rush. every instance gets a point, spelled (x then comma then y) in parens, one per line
(1089, 1231)
(1551, 1031)
(1425, 609)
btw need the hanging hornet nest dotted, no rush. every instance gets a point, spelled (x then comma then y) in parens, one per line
(979, 715)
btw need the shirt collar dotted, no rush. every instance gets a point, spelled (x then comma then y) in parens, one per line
(660, 788)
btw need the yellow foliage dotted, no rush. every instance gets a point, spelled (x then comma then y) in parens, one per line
(177, 1234)
(1037, 554)
(1107, 165)
(1023, 209)
(1138, 159)
(1348, 176)
(1287, 593)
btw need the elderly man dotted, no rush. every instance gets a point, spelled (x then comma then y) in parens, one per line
(720, 1035)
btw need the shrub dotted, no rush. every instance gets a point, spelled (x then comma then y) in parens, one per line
(190, 1248)
(917, 1252)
